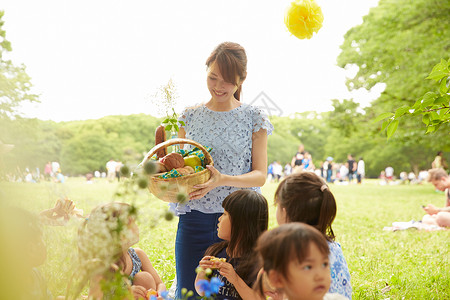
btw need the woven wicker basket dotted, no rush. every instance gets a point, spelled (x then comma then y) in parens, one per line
(168, 189)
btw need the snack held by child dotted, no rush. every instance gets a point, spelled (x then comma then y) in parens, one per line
(295, 263)
(305, 197)
(244, 219)
(104, 241)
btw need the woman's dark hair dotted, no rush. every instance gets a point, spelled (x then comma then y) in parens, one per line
(232, 62)
(249, 216)
(288, 242)
(306, 198)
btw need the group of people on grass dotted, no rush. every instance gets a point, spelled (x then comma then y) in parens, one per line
(224, 225)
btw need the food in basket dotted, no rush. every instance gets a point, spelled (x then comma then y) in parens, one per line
(173, 161)
(160, 167)
(192, 161)
(160, 136)
(186, 170)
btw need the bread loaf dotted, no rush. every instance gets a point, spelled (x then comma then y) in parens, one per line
(173, 161)
(160, 136)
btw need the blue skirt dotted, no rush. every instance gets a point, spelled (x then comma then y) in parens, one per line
(196, 232)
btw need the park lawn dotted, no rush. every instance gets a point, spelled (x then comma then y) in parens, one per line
(413, 264)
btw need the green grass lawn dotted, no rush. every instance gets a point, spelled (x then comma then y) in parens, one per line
(414, 264)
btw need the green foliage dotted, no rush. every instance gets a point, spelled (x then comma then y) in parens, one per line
(15, 84)
(80, 146)
(433, 107)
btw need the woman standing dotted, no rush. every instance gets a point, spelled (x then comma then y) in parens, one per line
(237, 133)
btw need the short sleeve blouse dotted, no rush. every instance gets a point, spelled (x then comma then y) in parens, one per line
(340, 275)
(229, 133)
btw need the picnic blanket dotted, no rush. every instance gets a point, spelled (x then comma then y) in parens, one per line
(413, 225)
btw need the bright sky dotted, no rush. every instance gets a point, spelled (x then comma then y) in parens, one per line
(92, 58)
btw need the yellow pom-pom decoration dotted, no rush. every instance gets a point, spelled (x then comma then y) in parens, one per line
(303, 18)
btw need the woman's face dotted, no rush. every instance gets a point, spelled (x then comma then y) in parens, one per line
(220, 90)
(224, 227)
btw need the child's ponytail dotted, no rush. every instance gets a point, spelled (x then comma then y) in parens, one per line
(327, 213)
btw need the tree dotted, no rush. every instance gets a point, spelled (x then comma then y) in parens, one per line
(15, 84)
(397, 44)
(434, 107)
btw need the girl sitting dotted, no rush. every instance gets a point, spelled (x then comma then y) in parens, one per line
(295, 263)
(105, 241)
(305, 197)
(244, 219)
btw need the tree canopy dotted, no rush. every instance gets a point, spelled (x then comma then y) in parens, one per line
(15, 84)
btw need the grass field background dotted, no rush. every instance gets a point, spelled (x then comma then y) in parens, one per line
(414, 264)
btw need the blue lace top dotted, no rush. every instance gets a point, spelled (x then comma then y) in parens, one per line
(229, 133)
(340, 275)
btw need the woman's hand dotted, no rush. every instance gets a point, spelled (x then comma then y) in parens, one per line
(227, 270)
(204, 188)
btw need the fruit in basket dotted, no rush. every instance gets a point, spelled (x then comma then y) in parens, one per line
(192, 161)
(173, 161)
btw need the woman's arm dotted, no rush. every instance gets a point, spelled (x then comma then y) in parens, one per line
(256, 177)
(148, 267)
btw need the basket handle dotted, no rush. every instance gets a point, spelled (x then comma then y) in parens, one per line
(208, 157)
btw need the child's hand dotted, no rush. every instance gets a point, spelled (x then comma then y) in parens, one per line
(227, 270)
(139, 292)
(206, 263)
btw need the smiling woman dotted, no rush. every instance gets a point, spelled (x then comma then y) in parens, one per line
(237, 133)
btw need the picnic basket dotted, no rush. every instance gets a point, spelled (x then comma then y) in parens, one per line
(167, 189)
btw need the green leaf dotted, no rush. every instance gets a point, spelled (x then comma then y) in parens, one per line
(169, 127)
(385, 124)
(428, 99)
(430, 129)
(444, 99)
(401, 111)
(426, 119)
(443, 87)
(439, 71)
(392, 127)
(165, 121)
(182, 123)
(417, 104)
(435, 118)
(383, 116)
(176, 127)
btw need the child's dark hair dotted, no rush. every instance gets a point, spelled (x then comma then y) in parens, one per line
(307, 198)
(242, 207)
(278, 247)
